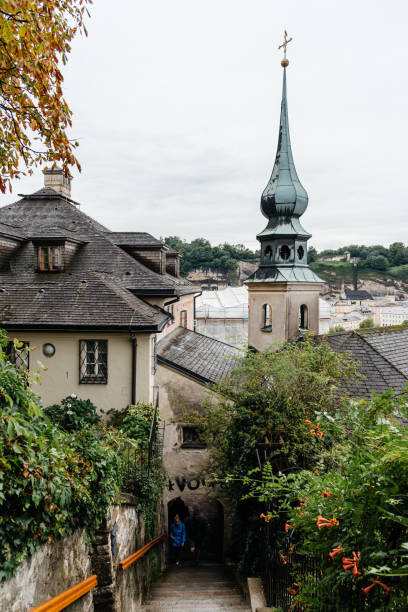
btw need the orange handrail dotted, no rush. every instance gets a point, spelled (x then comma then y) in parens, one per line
(141, 552)
(61, 601)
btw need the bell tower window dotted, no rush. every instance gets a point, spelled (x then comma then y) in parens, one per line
(284, 252)
(266, 318)
(300, 252)
(268, 251)
(303, 317)
(49, 258)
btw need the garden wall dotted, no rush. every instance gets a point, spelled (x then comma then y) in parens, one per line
(57, 566)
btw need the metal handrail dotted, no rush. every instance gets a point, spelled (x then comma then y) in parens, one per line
(61, 601)
(141, 552)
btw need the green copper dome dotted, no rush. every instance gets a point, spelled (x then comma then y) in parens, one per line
(284, 200)
(284, 195)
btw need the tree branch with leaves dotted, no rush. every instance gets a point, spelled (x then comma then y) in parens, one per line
(35, 40)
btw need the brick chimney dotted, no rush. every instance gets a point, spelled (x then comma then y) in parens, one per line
(56, 180)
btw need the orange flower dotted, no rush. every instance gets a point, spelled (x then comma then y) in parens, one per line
(291, 548)
(327, 494)
(335, 551)
(352, 564)
(376, 581)
(283, 559)
(365, 591)
(320, 433)
(292, 591)
(287, 527)
(323, 522)
(308, 422)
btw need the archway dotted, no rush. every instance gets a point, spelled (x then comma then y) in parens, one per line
(211, 509)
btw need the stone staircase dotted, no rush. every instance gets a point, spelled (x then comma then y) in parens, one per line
(206, 588)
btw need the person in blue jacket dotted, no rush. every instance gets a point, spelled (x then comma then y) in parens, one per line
(177, 537)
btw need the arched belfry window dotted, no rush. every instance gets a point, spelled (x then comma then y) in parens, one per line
(303, 317)
(268, 251)
(266, 318)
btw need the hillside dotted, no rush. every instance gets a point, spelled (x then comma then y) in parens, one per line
(381, 270)
(393, 280)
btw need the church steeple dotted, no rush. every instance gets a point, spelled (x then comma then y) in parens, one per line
(283, 292)
(284, 194)
(283, 201)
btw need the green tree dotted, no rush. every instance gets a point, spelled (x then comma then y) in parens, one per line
(260, 414)
(311, 254)
(398, 254)
(378, 262)
(35, 40)
(366, 324)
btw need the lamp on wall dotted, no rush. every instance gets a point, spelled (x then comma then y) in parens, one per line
(48, 349)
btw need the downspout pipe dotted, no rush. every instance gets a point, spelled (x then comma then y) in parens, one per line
(134, 364)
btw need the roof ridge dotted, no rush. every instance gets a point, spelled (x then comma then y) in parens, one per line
(362, 336)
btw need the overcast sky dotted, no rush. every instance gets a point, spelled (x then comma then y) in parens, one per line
(176, 106)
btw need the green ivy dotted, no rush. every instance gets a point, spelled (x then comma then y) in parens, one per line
(60, 472)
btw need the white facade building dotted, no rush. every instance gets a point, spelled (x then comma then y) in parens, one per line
(393, 316)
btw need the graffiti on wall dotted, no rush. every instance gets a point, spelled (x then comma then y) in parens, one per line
(191, 483)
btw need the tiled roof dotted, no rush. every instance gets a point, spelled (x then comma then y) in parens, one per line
(133, 238)
(383, 355)
(76, 303)
(357, 294)
(104, 265)
(199, 356)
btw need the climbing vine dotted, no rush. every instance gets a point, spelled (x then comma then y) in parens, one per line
(57, 474)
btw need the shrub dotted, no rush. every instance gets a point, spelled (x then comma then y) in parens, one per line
(366, 324)
(351, 505)
(51, 482)
(259, 414)
(73, 414)
(134, 421)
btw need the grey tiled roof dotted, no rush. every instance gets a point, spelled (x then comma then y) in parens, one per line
(94, 302)
(357, 294)
(133, 238)
(199, 356)
(383, 355)
(103, 265)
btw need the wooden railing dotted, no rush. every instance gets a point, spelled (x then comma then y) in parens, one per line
(65, 598)
(61, 601)
(141, 552)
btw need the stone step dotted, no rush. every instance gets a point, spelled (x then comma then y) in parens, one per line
(162, 589)
(192, 589)
(208, 607)
(206, 593)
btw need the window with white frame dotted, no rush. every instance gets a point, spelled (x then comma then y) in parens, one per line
(93, 361)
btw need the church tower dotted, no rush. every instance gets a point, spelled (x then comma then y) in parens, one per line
(283, 293)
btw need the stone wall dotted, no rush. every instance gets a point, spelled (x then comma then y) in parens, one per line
(58, 566)
(52, 569)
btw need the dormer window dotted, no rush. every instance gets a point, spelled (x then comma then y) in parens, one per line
(49, 258)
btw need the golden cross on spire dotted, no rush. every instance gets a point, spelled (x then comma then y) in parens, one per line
(285, 43)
